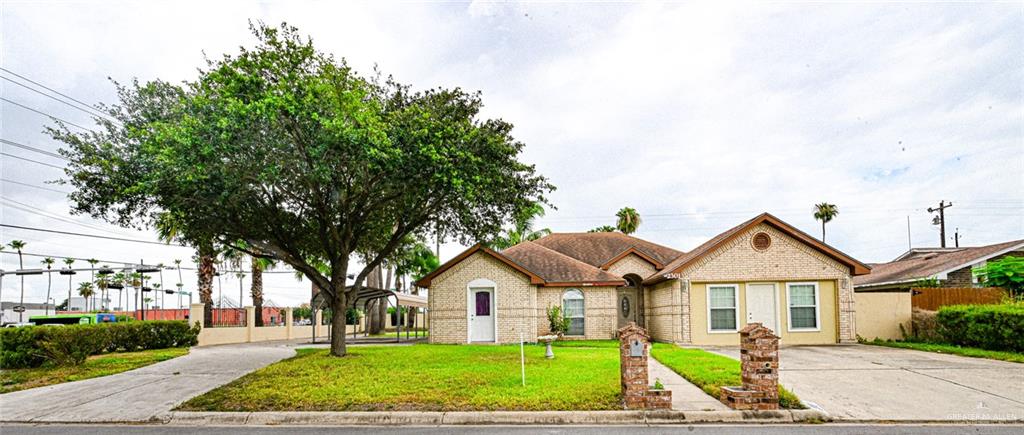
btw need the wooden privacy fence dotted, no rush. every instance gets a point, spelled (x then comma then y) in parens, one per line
(931, 298)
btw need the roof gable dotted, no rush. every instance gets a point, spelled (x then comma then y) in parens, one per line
(633, 250)
(425, 281)
(557, 268)
(677, 265)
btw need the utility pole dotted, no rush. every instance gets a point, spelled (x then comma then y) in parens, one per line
(942, 219)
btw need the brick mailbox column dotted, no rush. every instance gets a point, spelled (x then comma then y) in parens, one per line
(759, 371)
(636, 393)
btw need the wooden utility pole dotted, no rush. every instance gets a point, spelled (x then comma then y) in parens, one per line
(942, 220)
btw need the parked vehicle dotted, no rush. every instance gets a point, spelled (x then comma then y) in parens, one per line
(73, 319)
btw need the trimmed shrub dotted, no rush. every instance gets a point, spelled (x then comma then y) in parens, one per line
(33, 346)
(992, 327)
(924, 326)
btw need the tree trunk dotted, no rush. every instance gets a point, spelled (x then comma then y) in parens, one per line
(376, 310)
(257, 291)
(822, 231)
(206, 271)
(338, 320)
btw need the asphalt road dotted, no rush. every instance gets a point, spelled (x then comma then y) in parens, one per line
(493, 430)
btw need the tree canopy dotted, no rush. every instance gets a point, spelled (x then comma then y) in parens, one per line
(291, 151)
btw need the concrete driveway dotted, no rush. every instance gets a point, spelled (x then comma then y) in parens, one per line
(861, 382)
(141, 395)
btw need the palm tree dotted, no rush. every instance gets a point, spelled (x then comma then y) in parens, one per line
(85, 290)
(101, 284)
(49, 283)
(69, 262)
(629, 220)
(825, 212)
(522, 229)
(168, 230)
(234, 259)
(603, 229)
(18, 245)
(92, 265)
(256, 289)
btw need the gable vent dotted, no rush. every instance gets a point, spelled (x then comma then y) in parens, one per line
(761, 241)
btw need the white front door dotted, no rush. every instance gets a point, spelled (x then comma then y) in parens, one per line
(481, 314)
(761, 305)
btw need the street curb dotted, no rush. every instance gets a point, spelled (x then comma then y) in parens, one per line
(549, 418)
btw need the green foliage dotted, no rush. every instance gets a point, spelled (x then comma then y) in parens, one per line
(927, 283)
(33, 346)
(658, 385)
(628, 220)
(1007, 272)
(603, 229)
(291, 151)
(557, 322)
(992, 327)
(522, 229)
(303, 312)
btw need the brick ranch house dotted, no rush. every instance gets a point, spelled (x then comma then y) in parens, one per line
(763, 270)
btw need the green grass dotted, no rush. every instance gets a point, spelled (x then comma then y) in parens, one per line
(587, 343)
(93, 367)
(952, 349)
(425, 377)
(709, 371)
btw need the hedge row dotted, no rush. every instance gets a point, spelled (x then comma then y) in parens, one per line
(993, 327)
(33, 346)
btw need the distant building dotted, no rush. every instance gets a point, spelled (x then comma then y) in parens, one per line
(950, 267)
(31, 309)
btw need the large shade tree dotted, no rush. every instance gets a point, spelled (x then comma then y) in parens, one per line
(291, 151)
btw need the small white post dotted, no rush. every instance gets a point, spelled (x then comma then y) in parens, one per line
(522, 357)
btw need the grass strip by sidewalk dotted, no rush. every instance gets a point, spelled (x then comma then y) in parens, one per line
(425, 377)
(604, 344)
(93, 367)
(710, 371)
(951, 349)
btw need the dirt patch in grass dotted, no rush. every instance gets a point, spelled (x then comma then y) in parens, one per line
(425, 377)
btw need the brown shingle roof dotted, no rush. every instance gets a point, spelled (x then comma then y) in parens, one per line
(856, 267)
(596, 249)
(556, 267)
(921, 265)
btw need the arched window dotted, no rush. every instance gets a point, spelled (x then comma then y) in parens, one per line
(572, 308)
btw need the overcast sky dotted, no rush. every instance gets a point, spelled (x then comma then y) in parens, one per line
(698, 116)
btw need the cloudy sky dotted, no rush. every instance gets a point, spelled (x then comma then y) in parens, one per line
(698, 116)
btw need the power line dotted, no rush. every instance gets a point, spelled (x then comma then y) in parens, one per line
(96, 236)
(45, 114)
(30, 160)
(40, 212)
(5, 180)
(34, 149)
(84, 106)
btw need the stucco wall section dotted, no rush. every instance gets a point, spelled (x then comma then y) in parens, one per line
(632, 263)
(786, 260)
(515, 304)
(599, 310)
(664, 309)
(880, 314)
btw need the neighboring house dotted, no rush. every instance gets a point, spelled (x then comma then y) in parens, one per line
(31, 309)
(763, 270)
(884, 300)
(951, 267)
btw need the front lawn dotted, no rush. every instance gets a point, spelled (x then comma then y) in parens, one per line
(587, 343)
(425, 377)
(709, 371)
(951, 349)
(93, 367)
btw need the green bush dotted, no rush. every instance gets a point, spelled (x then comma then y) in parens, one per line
(992, 327)
(33, 346)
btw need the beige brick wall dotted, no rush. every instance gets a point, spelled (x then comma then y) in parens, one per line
(599, 310)
(664, 312)
(515, 304)
(632, 263)
(786, 260)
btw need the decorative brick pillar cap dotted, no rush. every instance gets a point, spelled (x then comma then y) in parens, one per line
(631, 330)
(757, 330)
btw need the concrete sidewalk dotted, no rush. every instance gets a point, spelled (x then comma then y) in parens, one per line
(143, 394)
(685, 396)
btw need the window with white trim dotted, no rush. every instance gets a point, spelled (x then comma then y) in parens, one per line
(572, 308)
(723, 307)
(803, 306)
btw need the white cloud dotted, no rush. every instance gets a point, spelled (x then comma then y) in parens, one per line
(698, 115)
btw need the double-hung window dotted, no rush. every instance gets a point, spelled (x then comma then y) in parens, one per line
(723, 307)
(804, 302)
(572, 308)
